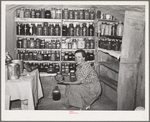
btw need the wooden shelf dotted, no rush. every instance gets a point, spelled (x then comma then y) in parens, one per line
(106, 20)
(109, 82)
(36, 36)
(43, 61)
(113, 53)
(38, 49)
(78, 37)
(36, 20)
(114, 66)
(42, 74)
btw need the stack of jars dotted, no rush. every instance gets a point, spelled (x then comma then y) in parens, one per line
(47, 67)
(67, 56)
(38, 43)
(87, 14)
(110, 44)
(67, 67)
(111, 29)
(38, 55)
(78, 30)
(53, 13)
(44, 29)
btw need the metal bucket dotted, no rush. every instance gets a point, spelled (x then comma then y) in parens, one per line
(20, 63)
(13, 71)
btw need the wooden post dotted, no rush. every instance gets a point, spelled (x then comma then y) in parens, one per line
(131, 49)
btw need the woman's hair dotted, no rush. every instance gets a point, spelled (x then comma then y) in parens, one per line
(82, 52)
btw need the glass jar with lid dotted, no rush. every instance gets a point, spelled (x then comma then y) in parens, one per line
(65, 13)
(57, 29)
(47, 14)
(38, 13)
(58, 13)
(64, 30)
(81, 14)
(77, 30)
(71, 14)
(42, 12)
(84, 29)
(76, 14)
(51, 30)
(71, 29)
(86, 14)
(27, 13)
(45, 29)
(53, 13)
(39, 30)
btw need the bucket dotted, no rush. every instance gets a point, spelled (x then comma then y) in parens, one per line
(13, 71)
(20, 63)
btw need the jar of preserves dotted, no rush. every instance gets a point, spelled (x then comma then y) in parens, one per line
(57, 30)
(18, 13)
(81, 43)
(51, 30)
(30, 56)
(110, 29)
(71, 14)
(27, 13)
(24, 42)
(72, 76)
(77, 30)
(52, 56)
(39, 30)
(49, 56)
(87, 43)
(33, 29)
(53, 13)
(42, 13)
(113, 31)
(62, 55)
(84, 29)
(76, 14)
(45, 29)
(92, 14)
(46, 45)
(32, 13)
(22, 13)
(65, 13)
(42, 44)
(56, 93)
(26, 55)
(38, 43)
(86, 14)
(71, 29)
(91, 29)
(38, 13)
(107, 29)
(58, 13)
(102, 26)
(19, 43)
(81, 14)
(120, 29)
(58, 44)
(64, 30)
(92, 43)
(32, 44)
(74, 44)
(47, 14)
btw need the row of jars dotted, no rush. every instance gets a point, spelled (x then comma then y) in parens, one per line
(80, 43)
(78, 30)
(110, 44)
(38, 43)
(111, 29)
(38, 55)
(45, 29)
(53, 13)
(78, 14)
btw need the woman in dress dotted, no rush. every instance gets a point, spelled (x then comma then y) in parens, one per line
(86, 89)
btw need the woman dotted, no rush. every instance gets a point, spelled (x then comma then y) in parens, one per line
(87, 88)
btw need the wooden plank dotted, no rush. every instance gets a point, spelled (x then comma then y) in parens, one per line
(109, 82)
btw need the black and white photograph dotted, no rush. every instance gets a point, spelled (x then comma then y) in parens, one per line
(75, 60)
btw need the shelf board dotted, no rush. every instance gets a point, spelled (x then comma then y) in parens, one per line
(28, 20)
(77, 20)
(111, 37)
(72, 50)
(36, 36)
(114, 66)
(113, 53)
(107, 20)
(78, 37)
(42, 74)
(38, 49)
(35, 61)
(109, 82)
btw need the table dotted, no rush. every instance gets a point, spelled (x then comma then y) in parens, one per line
(27, 88)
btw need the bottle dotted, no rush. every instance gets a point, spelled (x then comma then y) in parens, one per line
(19, 28)
(84, 29)
(19, 43)
(39, 30)
(77, 30)
(65, 13)
(56, 93)
(64, 30)
(47, 14)
(91, 30)
(45, 29)
(49, 56)
(71, 29)
(53, 13)
(42, 13)
(57, 30)
(120, 29)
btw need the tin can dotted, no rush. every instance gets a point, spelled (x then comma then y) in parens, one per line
(13, 71)
(20, 64)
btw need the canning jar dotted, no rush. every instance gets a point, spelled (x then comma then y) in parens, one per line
(92, 14)
(120, 29)
(37, 13)
(22, 13)
(53, 13)
(39, 29)
(47, 14)
(65, 13)
(64, 30)
(71, 29)
(42, 13)
(76, 14)
(45, 29)
(84, 29)
(57, 30)
(24, 42)
(71, 14)
(32, 43)
(32, 13)
(58, 13)
(51, 30)
(86, 14)
(81, 14)
(27, 13)
(91, 30)
(77, 30)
